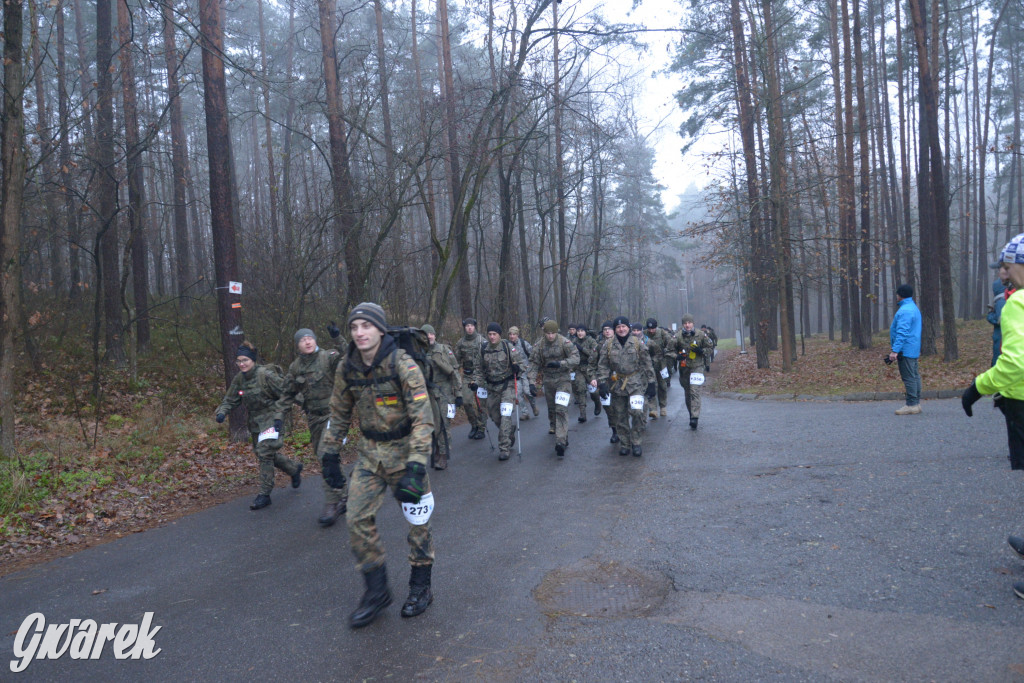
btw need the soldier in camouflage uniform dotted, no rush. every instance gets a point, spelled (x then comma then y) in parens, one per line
(500, 364)
(379, 384)
(467, 353)
(624, 370)
(688, 352)
(445, 391)
(587, 347)
(557, 358)
(658, 341)
(259, 387)
(525, 350)
(607, 332)
(311, 377)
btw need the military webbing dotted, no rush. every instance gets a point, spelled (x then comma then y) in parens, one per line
(403, 430)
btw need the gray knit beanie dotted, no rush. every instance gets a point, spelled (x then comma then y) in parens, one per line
(371, 313)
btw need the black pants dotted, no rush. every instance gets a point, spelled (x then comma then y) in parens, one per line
(1013, 411)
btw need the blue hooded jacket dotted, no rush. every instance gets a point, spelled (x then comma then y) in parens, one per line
(905, 331)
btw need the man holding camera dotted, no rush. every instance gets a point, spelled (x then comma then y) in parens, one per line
(905, 345)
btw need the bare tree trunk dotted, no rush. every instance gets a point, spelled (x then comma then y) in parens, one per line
(72, 217)
(289, 117)
(136, 201)
(275, 237)
(179, 156)
(908, 238)
(344, 205)
(12, 186)
(864, 340)
(221, 197)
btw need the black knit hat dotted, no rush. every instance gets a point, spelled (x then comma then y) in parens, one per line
(246, 351)
(651, 323)
(581, 326)
(636, 326)
(621, 320)
(494, 327)
(608, 324)
(371, 313)
(469, 321)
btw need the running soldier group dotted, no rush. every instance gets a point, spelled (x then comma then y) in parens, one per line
(403, 405)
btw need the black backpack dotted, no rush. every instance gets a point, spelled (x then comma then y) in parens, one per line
(414, 342)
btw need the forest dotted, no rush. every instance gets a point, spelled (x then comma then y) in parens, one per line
(492, 160)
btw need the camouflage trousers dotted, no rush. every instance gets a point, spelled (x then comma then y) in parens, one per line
(269, 456)
(496, 395)
(476, 417)
(367, 491)
(440, 399)
(317, 424)
(579, 390)
(662, 383)
(692, 392)
(558, 416)
(630, 424)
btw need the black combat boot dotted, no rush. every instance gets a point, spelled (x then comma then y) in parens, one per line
(331, 512)
(623, 451)
(420, 596)
(638, 451)
(259, 502)
(560, 449)
(615, 436)
(597, 405)
(375, 599)
(1017, 543)
(472, 433)
(297, 477)
(693, 423)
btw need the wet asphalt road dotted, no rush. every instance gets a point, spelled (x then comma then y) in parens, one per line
(781, 541)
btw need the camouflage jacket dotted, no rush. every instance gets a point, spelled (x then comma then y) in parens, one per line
(310, 376)
(525, 352)
(467, 353)
(391, 402)
(447, 378)
(692, 347)
(658, 343)
(561, 350)
(596, 356)
(588, 349)
(259, 389)
(625, 367)
(498, 364)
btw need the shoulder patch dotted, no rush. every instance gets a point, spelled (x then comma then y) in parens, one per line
(411, 366)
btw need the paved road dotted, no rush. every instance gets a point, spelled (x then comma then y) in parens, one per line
(781, 541)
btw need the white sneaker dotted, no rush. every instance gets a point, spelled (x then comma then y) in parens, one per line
(909, 410)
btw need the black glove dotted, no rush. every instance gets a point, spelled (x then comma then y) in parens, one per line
(652, 390)
(333, 330)
(603, 389)
(473, 386)
(533, 391)
(681, 356)
(458, 401)
(411, 487)
(553, 364)
(220, 417)
(331, 469)
(278, 426)
(969, 398)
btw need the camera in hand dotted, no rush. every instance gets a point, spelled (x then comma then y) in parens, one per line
(888, 361)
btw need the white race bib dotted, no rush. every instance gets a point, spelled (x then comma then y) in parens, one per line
(451, 411)
(606, 400)
(419, 513)
(572, 376)
(696, 378)
(636, 402)
(562, 398)
(664, 373)
(481, 393)
(591, 388)
(269, 433)
(506, 409)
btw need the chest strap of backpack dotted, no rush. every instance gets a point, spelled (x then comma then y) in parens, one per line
(401, 431)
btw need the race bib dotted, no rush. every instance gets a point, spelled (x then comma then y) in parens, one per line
(606, 400)
(664, 373)
(591, 388)
(506, 409)
(451, 411)
(481, 393)
(419, 513)
(636, 402)
(269, 433)
(562, 398)
(696, 379)
(572, 376)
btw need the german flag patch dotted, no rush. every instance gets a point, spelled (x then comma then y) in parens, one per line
(387, 400)
(419, 396)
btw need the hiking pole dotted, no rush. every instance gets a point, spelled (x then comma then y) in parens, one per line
(519, 436)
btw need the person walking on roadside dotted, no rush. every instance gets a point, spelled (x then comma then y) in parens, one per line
(259, 387)
(905, 345)
(607, 332)
(556, 357)
(659, 341)
(525, 350)
(625, 372)
(500, 367)
(1006, 377)
(467, 353)
(383, 388)
(445, 392)
(688, 351)
(1001, 290)
(311, 376)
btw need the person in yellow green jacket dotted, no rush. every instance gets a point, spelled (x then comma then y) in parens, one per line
(1006, 377)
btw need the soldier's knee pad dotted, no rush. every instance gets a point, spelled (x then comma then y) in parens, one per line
(331, 466)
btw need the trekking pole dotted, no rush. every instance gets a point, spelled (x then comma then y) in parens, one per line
(519, 436)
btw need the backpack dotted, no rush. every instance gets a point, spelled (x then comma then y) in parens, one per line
(414, 342)
(273, 369)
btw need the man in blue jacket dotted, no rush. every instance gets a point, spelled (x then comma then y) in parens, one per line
(905, 341)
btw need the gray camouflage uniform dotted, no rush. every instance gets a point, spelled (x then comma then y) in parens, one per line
(498, 367)
(467, 353)
(688, 351)
(565, 353)
(626, 368)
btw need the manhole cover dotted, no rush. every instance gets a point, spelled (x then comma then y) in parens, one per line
(594, 589)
